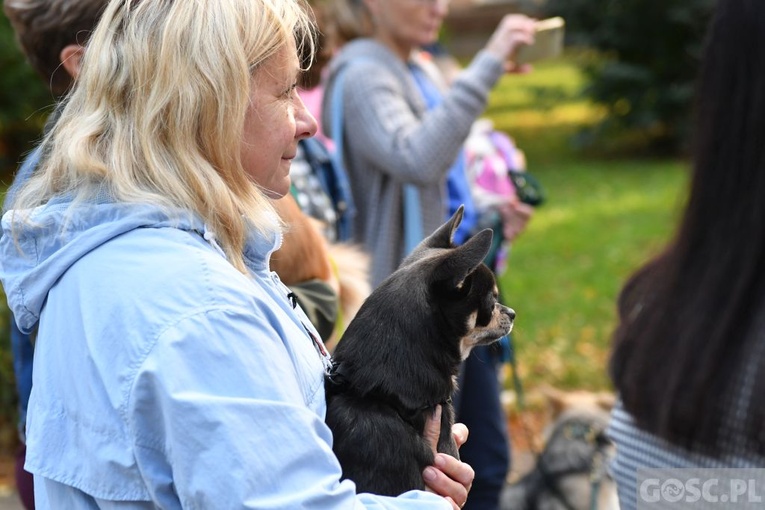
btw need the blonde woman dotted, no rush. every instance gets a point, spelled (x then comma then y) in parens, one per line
(171, 368)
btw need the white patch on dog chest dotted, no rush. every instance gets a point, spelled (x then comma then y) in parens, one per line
(472, 320)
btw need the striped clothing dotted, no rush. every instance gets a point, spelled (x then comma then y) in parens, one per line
(636, 448)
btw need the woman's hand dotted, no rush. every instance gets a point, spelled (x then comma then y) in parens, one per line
(515, 216)
(448, 477)
(514, 31)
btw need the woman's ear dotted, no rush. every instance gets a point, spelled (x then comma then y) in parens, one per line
(71, 59)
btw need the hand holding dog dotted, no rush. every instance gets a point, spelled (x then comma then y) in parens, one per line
(448, 477)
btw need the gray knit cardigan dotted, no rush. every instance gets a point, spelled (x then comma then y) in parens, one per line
(390, 138)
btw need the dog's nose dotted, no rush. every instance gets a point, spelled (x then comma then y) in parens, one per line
(509, 312)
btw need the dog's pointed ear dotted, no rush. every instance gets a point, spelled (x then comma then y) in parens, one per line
(556, 400)
(606, 401)
(458, 263)
(441, 238)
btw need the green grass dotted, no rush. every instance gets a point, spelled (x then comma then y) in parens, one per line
(603, 217)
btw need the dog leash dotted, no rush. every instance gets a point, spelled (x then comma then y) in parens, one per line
(520, 396)
(597, 473)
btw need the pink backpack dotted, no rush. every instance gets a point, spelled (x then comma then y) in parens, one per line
(490, 155)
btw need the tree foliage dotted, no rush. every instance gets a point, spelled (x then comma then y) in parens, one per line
(645, 63)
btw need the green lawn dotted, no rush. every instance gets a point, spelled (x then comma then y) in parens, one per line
(602, 218)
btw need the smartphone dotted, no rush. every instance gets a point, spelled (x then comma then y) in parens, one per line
(548, 42)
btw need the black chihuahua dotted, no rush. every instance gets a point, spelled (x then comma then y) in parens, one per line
(400, 356)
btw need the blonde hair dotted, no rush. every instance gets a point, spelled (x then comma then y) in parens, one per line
(158, 110)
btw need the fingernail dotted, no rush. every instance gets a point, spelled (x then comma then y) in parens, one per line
(429, 474)
(440, 462)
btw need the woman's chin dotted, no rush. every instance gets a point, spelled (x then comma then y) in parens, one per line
(279, 189)
(276, 194)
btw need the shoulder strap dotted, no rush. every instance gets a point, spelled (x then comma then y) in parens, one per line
(412, 218)
(412, 213)
(345, 229)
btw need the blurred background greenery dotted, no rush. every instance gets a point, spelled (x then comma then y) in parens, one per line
(605, 129)
(605, 213)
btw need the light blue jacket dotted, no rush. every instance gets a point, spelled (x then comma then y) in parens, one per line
(165, 378)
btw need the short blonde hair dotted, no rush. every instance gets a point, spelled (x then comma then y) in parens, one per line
(158, 110)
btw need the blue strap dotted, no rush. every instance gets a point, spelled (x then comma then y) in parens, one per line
(337, 118)
(412, 212)
(412, 218)
(457, 184)
(341, 176)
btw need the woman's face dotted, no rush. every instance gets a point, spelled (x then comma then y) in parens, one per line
(275, 121)
(407, 24)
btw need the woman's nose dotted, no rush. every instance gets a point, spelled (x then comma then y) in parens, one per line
(305, 123)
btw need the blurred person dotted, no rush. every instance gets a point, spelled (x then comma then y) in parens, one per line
(140, 247)
(688, 358)
(404, 125)
(391, 135)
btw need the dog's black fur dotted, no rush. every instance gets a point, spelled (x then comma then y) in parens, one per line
(400, 356)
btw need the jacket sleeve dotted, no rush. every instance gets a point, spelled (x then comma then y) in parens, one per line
(380, 124)
(221, 420)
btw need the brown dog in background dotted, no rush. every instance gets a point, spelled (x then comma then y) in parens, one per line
(305, 254)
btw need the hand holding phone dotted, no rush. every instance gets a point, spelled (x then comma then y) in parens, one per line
(512, 32)
(548, 42)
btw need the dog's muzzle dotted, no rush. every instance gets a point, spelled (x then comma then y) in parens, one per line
(507, 317)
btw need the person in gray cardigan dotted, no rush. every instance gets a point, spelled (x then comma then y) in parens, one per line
(391, 138)
(403, 125)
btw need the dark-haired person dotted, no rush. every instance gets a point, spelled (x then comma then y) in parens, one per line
(689, 352)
